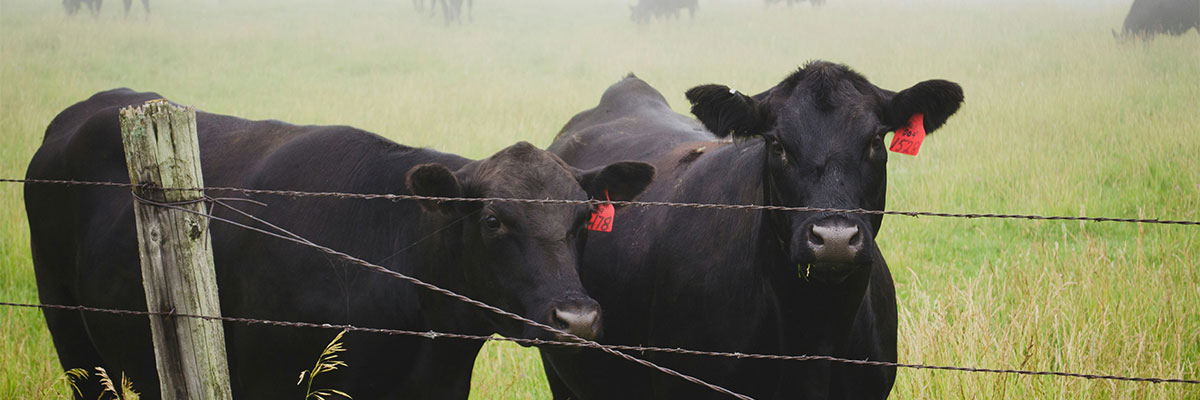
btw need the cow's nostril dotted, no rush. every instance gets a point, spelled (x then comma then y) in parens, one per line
(557, 321)
(856, 239)
(814, 237)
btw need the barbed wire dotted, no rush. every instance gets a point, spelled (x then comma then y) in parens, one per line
(399, 197)
(553, 343)
(577, 341)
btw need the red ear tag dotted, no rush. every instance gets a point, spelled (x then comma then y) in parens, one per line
(907, 140)
(602, 218)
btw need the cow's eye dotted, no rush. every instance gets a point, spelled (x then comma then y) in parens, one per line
(877, 141)
(777, 149)
(491, 222)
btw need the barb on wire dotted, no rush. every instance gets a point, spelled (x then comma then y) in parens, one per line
(552, 343)
(292, 237)
(399, 197)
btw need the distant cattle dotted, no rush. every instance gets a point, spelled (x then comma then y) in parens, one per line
(815, 3)
(451, 9)
(73, 6)
(645, 10)
(749, 281)
(1151, 17)
(520, 257)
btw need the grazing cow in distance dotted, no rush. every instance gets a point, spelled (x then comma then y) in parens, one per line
(1147, 18)
(516, 256)
(645, 10)
(451, 9)
(73, 6)
(749, 281)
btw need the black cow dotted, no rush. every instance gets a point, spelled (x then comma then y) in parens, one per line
(811, 283)
(451, 9)
(1151, 17)
(520, 257)
(644, 10)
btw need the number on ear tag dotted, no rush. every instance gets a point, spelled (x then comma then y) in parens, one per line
(602, 218)
(907, 140)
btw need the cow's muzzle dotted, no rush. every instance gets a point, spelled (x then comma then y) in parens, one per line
(834, 241)
(831, 249)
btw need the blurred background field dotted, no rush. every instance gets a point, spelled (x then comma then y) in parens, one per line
(1060, 119)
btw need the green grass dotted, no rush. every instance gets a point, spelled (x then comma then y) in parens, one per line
(1059, 119)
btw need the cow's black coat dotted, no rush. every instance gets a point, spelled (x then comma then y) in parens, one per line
(72, 6)
(520, 257)
(1151, 17)
(745, 281)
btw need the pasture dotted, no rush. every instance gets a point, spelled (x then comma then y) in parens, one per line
(1059, 119)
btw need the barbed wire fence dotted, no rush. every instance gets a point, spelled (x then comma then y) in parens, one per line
(553, 343)
(572, 340)
(750, 207)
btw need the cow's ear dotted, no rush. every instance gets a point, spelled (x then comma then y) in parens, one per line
(623, 181)
(725, 111)
(433, 180)
(936, 99)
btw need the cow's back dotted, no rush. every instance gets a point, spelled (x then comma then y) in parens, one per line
(632, 122)
(85, 139)
(1151, 17)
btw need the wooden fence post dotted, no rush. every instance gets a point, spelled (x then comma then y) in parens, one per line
(162, 149)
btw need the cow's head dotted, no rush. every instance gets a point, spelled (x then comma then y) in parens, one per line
(524, 257)
(822, 136)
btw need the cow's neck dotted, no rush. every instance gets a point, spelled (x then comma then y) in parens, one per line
(438, 259)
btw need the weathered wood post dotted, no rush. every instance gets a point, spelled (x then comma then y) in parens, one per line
(161, 149)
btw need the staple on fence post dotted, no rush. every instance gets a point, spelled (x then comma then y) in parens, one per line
(162, 150)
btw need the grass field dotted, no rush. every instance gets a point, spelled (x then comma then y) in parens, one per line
(1060, 119)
